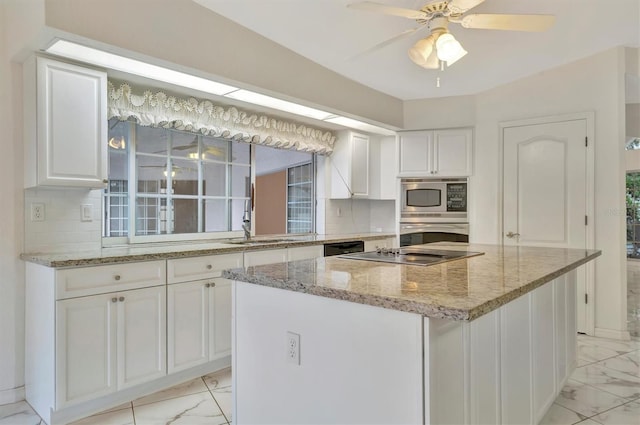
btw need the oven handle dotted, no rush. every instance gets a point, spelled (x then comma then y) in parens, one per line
(436, 227)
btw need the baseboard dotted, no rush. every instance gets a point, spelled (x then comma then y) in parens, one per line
(612, 334)
(12, 395)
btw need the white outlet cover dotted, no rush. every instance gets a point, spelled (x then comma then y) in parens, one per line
(37, 211)
(86, 212)
(293, 348)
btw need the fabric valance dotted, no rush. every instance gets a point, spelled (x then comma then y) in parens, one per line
(202, 116)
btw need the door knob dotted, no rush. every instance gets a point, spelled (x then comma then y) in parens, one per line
(512, 235)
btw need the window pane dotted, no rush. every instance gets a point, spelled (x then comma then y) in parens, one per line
(237, 212)
(214, 212)
(184, 145)
(185, 213)
(185, 177)
(149, 215)
(151, 172)
(240, 153)
(215, 179)
(152, 140)
(215, 149)
(240, 181)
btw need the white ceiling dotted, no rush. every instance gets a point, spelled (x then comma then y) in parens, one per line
(330, 34)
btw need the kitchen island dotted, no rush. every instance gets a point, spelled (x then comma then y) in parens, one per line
(487, 339)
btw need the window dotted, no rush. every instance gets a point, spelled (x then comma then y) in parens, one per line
(184, 182)
(633, 215)
(168, 182)
(300, 199)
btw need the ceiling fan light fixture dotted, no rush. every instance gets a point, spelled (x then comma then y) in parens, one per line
(449, 49)
(421, 51)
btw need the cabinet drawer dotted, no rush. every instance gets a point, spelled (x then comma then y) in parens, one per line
(196, 268)
(102, 279)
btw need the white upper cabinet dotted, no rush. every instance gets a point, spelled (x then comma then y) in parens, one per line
(436, 153)
(383, 168)
(349, 164)
(65, 120)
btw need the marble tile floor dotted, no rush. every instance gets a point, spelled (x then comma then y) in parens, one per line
(205, 400)
(604, 389)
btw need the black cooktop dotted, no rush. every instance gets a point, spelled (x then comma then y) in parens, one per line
(411, 255)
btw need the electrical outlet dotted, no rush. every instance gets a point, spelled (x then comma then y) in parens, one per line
(293, 348)
(37, 211)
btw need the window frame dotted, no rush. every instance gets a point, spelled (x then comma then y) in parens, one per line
(133, 239)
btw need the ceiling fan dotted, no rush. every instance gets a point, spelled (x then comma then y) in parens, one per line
(441, 45)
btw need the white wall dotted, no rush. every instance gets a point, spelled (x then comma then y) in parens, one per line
(62, 229)
(564, 90)
(19, 21)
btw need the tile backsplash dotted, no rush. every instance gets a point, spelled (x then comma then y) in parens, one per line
(63, 228)
(358, 216)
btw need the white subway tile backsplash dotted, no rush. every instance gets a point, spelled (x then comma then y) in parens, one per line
(63, 229)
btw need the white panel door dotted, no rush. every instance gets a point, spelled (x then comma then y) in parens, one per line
(544, 198)
(220, 319)
(187, 324)
(141, 335)
(452, 152)
(85, 347)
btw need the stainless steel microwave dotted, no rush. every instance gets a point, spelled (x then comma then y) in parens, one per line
(423, 199)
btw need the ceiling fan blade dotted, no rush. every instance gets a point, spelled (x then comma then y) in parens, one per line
(388, 10)
(461, 6)
(508, 22)
(385, 43)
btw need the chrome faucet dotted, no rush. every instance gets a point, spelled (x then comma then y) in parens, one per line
(246, 221)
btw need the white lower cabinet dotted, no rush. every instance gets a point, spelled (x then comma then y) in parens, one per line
(199, 322)
(109, 342)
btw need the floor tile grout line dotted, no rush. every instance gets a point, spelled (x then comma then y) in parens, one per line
(600, 389)
(216, 402)
(607, 410)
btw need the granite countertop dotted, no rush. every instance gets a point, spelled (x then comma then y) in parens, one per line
(162, 251)
(458, 290)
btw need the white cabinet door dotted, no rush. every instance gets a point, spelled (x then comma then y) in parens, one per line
(141, 336)
(187, 325)
(437, 153)
(452, 152)
(85, 347)
(69, 147)
(348, 166)
(220, 319)
(414, 152)
(359, 165)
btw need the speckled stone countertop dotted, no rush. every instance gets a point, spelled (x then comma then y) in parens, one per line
(161, 251)
(458, 290)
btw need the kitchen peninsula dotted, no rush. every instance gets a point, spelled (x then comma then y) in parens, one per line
(486, 339)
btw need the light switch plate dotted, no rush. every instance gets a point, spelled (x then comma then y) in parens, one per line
(86, 212)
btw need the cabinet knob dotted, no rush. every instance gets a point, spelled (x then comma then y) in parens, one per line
(121, 299)
(206, 285)
(212, 284)
(114, 299)
(117, 277)
(209, 266)
(105, 181)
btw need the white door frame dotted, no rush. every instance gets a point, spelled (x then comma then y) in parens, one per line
(589, 118)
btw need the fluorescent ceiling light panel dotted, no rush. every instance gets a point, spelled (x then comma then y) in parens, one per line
(359, 125)
(132, 66)
(282, 105)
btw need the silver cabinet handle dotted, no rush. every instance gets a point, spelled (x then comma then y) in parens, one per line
(114, 300)
(117, 277)
(121, 299)
(512, 235)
